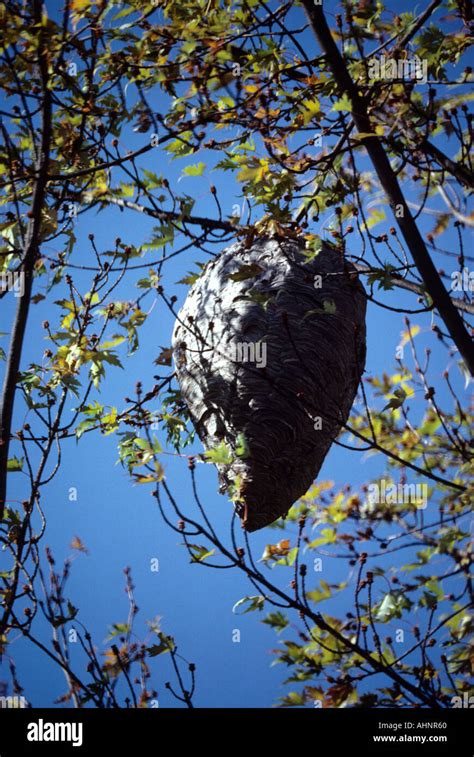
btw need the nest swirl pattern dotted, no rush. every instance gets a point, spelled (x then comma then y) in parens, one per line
(269, 350)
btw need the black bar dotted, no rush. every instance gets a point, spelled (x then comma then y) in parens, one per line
(309, 731)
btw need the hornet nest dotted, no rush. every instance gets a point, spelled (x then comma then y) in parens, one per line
(269, 348)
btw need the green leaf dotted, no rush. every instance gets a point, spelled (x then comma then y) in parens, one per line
(124, 12)
(199, 553)
(397, 401)
(312, 110)
(343, 104)
(392, 606)
(221, 454)
(166, 645)
(114, 342)
(182, 145)
(318, 595)
(276, 620)
(254, 603)
(264, 299)
(152, 180)
(192, 276)
(83, 426)
(245, 272)
(242, 448)
(328, 536)
(383, 277)
(429, 600)
(293, 699)
(15, 464)
(387, 609)
(376, 216)
(149, 478)
(189, 279)
(197, 169)
(118, 629)
(329, 306)
(313, 246)
(127, 190)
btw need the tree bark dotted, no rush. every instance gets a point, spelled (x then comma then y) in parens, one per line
(26, 269)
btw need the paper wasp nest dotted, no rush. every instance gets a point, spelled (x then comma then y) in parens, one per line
(269, 350)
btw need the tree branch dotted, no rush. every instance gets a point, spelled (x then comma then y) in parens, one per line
(413, 239)
(459, 172)
(411, 286)
(168, 215)
(219, 225)
(415, 27)
(26, 268)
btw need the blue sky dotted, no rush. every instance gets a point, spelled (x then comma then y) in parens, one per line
(120, 523)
